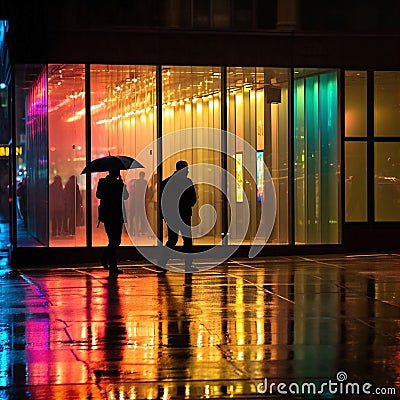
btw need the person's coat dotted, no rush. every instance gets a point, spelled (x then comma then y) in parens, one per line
(185, 187)
(111, 192)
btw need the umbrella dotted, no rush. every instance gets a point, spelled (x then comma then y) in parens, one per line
(108, 163)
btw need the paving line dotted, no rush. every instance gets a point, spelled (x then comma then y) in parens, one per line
(42, 293)
(340, 286)
(94, 277)
(369, 255)
(38, 288)
(259, 286)
(225, 352)
(381, 333)
(321, 262)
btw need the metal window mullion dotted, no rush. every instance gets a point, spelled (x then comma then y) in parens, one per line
(159, 148)
(370, 148)
(224, 160)
(13, 164)
(88, 152)
(291, 175)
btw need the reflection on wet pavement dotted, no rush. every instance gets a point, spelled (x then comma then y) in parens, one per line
(235, 331)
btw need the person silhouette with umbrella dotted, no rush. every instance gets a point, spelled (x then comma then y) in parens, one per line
(111, 191)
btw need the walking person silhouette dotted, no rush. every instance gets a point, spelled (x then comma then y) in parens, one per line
(56, 200)
(73, 203)
(111, 191)
(178, 196)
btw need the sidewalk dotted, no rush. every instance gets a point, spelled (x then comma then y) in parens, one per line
(229, 332)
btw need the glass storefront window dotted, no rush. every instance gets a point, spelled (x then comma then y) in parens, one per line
(123, 120)
(32, 161)
(355, 103)
(257, 101)
(387, 103)
(356, 182)
(387, 181)
(67, 154)
(316, 147)
(191, 115)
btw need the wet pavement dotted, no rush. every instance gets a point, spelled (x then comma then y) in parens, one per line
(281, 327)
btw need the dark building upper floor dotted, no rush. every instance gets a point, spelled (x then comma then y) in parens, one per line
(354, 16)
(212, 32)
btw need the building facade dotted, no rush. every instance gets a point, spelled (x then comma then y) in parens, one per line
(316, 95)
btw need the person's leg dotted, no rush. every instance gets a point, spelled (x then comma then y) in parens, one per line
(73, 221)
(114, 233)
(172, 238)
(186, 231)
(188, 243)
(170, 244)
(53, 217)
(68, 223)
(143, 227)
(59, 217)
(65, 222)
(105, 257)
